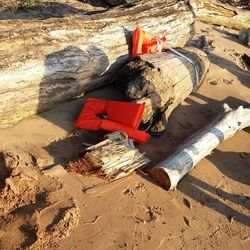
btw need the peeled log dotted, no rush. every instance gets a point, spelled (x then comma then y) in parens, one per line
(215, 12)
(170, 171)
(44, 62)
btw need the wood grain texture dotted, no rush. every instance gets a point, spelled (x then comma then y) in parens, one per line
(44, 62)
(215, 12)
(163, 78)
(171, 170)
(109, 160)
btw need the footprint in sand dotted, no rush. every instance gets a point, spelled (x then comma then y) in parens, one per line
(128, 192)
(186, 220)
(35, 210)
(147, 214)
(187, 203)
(213, 81)
(227, 82)
(131, 192)
(140, 187)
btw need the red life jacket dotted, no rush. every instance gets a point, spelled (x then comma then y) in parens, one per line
(125, 116)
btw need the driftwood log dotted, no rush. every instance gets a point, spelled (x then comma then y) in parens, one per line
(162, 81)
(170, 171)
(110, 159)
(215, 12)
(44, 62)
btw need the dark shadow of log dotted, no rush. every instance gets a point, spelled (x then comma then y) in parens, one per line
(243, 76)
(226, 163)
(204, 193)
(64, 72)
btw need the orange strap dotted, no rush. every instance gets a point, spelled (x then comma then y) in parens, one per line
(144, 42)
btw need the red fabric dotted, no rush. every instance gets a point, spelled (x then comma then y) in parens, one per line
(127, 113)
(123, 116)
(88, 117)
(138, 135)
(144, 42)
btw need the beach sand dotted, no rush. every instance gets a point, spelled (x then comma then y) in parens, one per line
(43, 206)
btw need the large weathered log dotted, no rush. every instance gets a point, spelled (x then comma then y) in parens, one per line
(162, 81)
(215, 12)
(44, 62)
(170, 171)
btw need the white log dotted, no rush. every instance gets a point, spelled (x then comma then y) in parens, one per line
(171, 170)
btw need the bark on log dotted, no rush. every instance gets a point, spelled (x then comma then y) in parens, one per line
(44, 62)
(215, 12)
(162, 80)
(170, 171)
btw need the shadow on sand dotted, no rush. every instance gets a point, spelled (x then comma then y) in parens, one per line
(204, 193)
(73, 62)
(243, 76)
(180, 128)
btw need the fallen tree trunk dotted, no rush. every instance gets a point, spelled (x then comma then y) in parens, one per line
(44, 62)
(215, 12)
(170, 171)
(162, 81)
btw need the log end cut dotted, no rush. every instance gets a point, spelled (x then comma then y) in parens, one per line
(160, 176)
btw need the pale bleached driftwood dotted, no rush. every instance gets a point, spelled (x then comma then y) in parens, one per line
(170, 171)
(44, 62)
(215, 12)
(110, 160)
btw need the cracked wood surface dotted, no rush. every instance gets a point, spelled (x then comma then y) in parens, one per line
(171, 170)
(44, 62)
(215, 12)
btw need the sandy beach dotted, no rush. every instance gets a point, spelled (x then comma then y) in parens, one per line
(42, 206)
